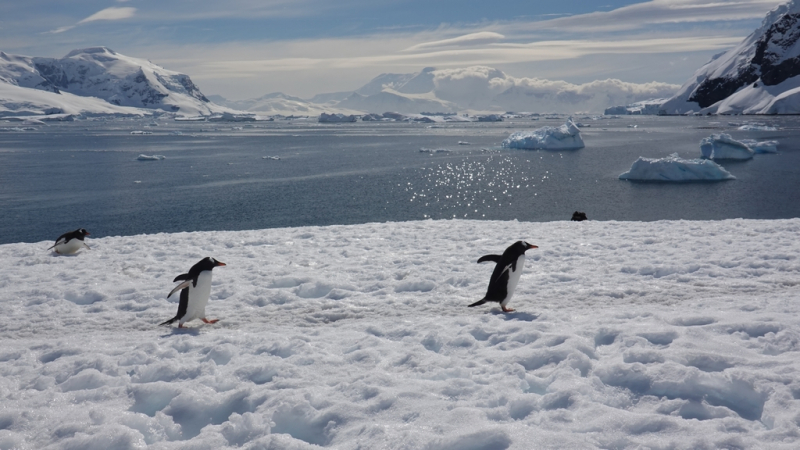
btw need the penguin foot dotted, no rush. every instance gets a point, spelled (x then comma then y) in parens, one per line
(507, 309)
(209, 321)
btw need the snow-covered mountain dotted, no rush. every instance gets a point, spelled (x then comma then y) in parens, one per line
(280, 103)
(759, 76)
(104, 74)
(476, 88)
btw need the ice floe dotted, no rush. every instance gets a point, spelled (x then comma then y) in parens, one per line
(723, 146)
(565, 137)
(144, 157)
(676, 169)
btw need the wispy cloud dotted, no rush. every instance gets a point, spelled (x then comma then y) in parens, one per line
(642, 15)
(472, 39)
(113, 13)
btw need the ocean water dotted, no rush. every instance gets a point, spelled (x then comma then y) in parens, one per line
(221, 176)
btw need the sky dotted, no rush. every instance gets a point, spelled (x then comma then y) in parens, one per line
(247, 48)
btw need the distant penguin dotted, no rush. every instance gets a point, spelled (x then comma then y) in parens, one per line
(505, 275)
(195, 290)
(70, 242)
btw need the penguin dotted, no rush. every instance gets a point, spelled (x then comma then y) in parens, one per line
(70, 242)
(195, 290)
(505, 275)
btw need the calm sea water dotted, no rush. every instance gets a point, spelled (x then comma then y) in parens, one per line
(216, 177)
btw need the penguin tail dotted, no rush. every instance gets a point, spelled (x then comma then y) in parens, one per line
(168, 322)
(478, 303)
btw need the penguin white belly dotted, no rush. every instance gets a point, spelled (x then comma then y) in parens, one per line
(513, 279)
(70, 247)
(198, 298)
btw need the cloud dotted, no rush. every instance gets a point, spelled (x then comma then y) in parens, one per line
(112, 13)
(654, 12)
(479, 38)
(481, 87)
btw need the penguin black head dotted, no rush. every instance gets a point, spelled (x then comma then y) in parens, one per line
(521, 246)
(207, 263)
(82, 233)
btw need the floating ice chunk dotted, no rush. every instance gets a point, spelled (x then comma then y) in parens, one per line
(757, 127)
(433, 150)
(141, 132)
(276, 158)
(151, 157)
(723, 146)
(673, 168)
(761, 147)
(565, 137)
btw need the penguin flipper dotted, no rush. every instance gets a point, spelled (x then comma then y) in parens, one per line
(493, 258)
(183, 276)
(478, 303)
(177, 288)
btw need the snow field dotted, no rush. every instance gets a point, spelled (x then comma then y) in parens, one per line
(668, 334)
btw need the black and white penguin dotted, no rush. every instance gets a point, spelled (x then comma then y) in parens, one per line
(505, 275)
(70, 242)
(195, 290)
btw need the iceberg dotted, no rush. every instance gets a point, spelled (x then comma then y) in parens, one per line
(565, 137)
(675, 169)
(723, 146)
(761, 147)
(144, 157)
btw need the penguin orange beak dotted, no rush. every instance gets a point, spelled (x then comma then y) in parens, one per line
(220, 263)
(530, 246)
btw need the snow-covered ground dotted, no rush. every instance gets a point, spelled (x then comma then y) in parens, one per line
(673, 334)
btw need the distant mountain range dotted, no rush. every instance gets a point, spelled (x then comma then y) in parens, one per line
(476, 89)
(759, 76)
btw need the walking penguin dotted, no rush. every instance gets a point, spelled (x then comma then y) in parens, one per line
(505, 275)
(195, 290)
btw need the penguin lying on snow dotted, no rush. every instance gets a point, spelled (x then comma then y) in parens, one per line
(70, 242)
(506, 274)
(195, 290)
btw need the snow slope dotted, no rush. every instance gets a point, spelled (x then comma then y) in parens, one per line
(673, 334)
(16, 101)
(103, 73)
(759, 76)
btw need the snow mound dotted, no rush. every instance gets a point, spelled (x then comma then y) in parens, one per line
(565, 137)
(144, 157)
(675, 169)
(723, 146)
